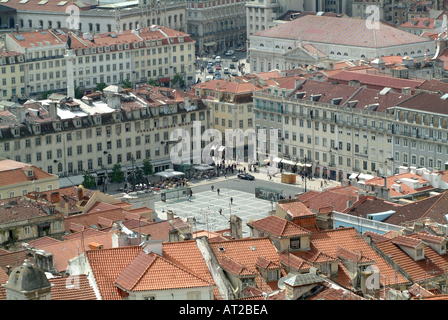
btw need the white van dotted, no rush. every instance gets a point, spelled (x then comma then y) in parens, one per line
(208, 78)
(218, 59)
(230, 53)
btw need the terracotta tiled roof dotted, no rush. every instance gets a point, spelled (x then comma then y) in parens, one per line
(331, 240)
(69, 249)
(422, 23)
(81, 290)
(62, 290)
(297, 209)
(85, 233)
(342, 31)
(107, 264)
(42, 241)
(153, 272)
(250, 291)
(294, 261)
(417, 290)
(161, 229)
(426, 237)
(246, 252)
(33, 5)
(433, 265)
(424, 101)
(3, 276)
(104, 222)
(88, 219)
(11, 172)
(267, 264)
(100, 206)
(235, 268)
(332, 291)
(14, 259)
(406, 241)
(334, 198)
(391, 234)
(357, 257)
(278, 227)
(375, 236)
(391, 180)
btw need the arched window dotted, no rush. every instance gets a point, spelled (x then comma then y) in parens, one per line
(261, 45)
(169, 19)
(153, 21)
(41, 23)
(419, 51)
(398, 54)
(158, 21)
(277, 67)
(332, 52)
(98, 28)
(180, 17)
(277, 47)
(412, 52)
(130, 25)
(363, 56)
(345, 54)
(90, 27)
(21, 23)
(338, 53)
(124, 26)
(175, 18)
(30, 23)
(405, 53)
(289, 48)
(58, 23)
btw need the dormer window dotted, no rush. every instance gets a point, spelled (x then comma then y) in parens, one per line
(30, 173)
(419, 252)
(294, 243)
(98, 119)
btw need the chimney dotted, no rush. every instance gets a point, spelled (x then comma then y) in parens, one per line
(190, 223)
(80, 193)
(95, 246)
(385, 181)
(406, 90)
(236, 229)
(169, 215)
(217, 86)
(55, 197)
(8, 268)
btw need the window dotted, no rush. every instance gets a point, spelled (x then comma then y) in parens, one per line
(295, 243)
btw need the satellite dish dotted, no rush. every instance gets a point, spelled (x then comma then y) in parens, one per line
(281, 282)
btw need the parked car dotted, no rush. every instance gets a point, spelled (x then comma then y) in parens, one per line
(208, 78)
(210, 70)
(234, 73)
(229, 52)
(218, 76)
(226, 71)
(243, 50)
(218, 67)
(232, 66)
(210, 62)
(234, 59)
(246, 176)
(217, 72)
(214, 56)
(218, 59)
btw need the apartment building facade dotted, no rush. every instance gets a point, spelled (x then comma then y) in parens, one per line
(67, 136)
(339, 129)
(230, 105)
(13, 82)
(93, 17)
(156, 53)
(216, 25)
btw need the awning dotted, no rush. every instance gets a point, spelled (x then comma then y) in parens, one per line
(221, 148)
(202, 168)
(288, 162)
(71, 181)
(309, 165)
(101, 172)
(44, 225)
(209, 44)
(365, 176)
(353, 175)
(169, 174)
(277, 159)
(214, 147)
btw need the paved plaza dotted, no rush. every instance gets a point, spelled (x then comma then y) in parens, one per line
(206, 204)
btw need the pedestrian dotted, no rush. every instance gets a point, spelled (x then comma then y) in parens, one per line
(270, 178)
(289, 196)
(189, 198)
(321, 184)
(225, 175)
(220, 211)
(212, 188)
(231, 200)
(217, 190)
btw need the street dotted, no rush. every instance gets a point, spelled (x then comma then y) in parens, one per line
(225, 63)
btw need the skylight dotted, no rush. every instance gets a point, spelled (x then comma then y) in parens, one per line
(19, 37)
(24, 1)
(43, 2)
(62, 3)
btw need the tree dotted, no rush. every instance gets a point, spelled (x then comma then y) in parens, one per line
(177, 79)
(127, 84)
(147, 166)
(100, 86)
(117, 175)
(46, 94)
(78, 93)
(89, 180)
(153, 82)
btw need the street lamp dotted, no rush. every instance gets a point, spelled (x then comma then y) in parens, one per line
(305, 160)
(106, 176)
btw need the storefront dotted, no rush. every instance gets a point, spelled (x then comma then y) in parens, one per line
(164, 82)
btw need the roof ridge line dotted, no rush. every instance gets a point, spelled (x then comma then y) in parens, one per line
(145, 270)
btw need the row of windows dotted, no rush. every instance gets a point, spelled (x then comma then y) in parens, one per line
(230, 123)
(97, 26)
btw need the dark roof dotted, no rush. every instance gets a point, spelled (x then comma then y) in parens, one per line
(428, 102)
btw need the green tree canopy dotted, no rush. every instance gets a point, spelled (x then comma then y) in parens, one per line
(78, 93)
(177, 79)
(153, 82)
(100, 86)
(147, 166)
(127, 84)
(89, 180)
(117, 175)
(46, 94)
